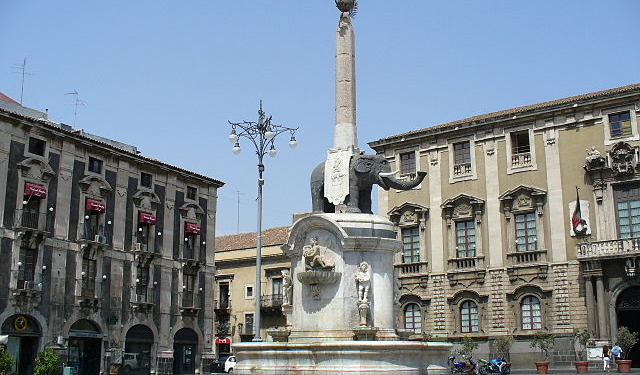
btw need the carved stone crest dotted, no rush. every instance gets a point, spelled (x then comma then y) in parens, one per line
(623, 161)
(336, 174)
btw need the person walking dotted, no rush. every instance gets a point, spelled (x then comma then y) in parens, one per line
(617, 352)
(606, 358)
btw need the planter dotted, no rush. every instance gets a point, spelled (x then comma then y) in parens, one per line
(582, 367)
(542, 367)
(624, 365)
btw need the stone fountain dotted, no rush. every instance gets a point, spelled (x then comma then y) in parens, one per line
(339, 293)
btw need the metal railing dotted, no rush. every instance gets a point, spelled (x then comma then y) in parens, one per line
(223, 328)
(521, 159)
(93, 233)
(189, 252)
(31, 220)
(463, 169)
(190, 299)
(609, 248)
(224, 304)
(415, 268)
(271, 301)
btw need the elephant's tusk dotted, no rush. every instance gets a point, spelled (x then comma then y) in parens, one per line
(387, 174)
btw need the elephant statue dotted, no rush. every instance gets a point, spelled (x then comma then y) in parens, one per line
(364, 171)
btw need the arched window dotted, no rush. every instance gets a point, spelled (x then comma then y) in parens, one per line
(469, 318)
(531, 313)
(413, 318)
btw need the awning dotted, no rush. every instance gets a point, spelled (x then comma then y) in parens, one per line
(192, 228)
(223, 341)
(144, 217)
(94, 205)
(35, 190)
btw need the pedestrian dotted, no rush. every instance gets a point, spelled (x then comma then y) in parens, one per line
(606, 358)
(617, 352)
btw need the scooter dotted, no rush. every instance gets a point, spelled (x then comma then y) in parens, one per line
(496, 365)
(462, 367)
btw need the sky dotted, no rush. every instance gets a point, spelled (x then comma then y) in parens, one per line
(167, 76)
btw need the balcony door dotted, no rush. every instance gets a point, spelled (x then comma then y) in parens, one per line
(627, 201)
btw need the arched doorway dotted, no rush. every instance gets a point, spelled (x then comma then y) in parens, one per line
(185, 345)
(24, 339)
(628, 310)
(137, 351)
(85, 347)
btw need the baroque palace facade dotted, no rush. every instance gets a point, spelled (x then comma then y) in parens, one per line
(107, 255)
(489, 244)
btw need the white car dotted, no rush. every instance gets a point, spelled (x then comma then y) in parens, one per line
(130, 361)
(230, 364)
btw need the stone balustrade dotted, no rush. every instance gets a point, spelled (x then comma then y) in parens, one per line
(608, 248)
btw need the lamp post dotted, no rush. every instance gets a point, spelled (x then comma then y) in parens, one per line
(262, 134)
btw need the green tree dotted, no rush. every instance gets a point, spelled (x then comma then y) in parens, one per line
(47, 363)
(626, 340)
(6, 362)
(582, 339)
(503, 345)
(468, 346)
(544, 341)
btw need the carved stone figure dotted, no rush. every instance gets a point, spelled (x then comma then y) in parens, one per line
(363, 281)
(622, 159)
(594, 159)
(364, 172)
(313, 257)
(287, 285)
(363, 312)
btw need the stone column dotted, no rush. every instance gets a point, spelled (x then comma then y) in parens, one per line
(590, 302)
(602, 316)
(557, 217)
(345, 136)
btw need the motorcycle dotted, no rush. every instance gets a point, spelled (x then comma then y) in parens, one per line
(496, 365)
(462, 367)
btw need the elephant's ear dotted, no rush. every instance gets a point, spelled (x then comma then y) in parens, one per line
(363, 165)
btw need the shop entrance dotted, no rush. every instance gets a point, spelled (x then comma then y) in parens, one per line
(85, 348)
(185, 345)
(628, 310)
(24, 338)
(137, 351)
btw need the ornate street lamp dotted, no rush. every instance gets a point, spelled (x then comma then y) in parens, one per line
(262, 134)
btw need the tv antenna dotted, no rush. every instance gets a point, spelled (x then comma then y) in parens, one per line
(22, 69)
(76, 103)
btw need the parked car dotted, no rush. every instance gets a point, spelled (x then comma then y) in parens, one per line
(130, 361)
(230, 364)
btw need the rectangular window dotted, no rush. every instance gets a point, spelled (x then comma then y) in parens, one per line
(192, 193)
(520, 143)
(526, 235)
(190, 242)
(627, 201)
(248, 291)
(28, 257)
(466, 238)
(469, 317)
(142, 281)
(462, 153)
(410, 245)
(620, 124)
(37, 146)
(31, 213)
(95, 165)
(408, 163)
(145, 179)
(89, 267)
(248, 324)
(224, 296)
(187, 289)
(276, 286)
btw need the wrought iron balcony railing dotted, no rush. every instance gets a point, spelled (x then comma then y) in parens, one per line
(271, 301)
(617, 248)
(32, 220)
(223, 328)
(96, 233)
(224, 304)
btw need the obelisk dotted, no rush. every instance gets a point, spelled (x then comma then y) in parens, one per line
(345, 135)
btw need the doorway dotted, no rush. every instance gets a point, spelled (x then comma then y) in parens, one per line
(185, 345)
(628, 310)
(24, 339)
(85, 348)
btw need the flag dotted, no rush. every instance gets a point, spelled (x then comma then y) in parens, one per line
(578, 224)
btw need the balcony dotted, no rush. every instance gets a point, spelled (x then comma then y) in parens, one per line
(190, 303)
(462, 170)
(411, 269)
(521, 160)
(223, 329)
(467, 263)
(142, 302)
(27, 289)
(222, 305)
(32, 223)
(271, 302)
(618, 248)
(526, 257)
(96, 234)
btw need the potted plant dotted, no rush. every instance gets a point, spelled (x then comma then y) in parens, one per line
(625, 340)
(47, 363)
(503, 346)
(544, 341)
(6, 362)
(468, 346)
(580, 339)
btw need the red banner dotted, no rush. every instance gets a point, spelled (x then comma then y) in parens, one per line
(35, 190)
(223, 341)
(144, 217)
(192, 228)
(94, 205)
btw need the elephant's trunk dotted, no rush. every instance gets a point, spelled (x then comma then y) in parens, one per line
(403, 184)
